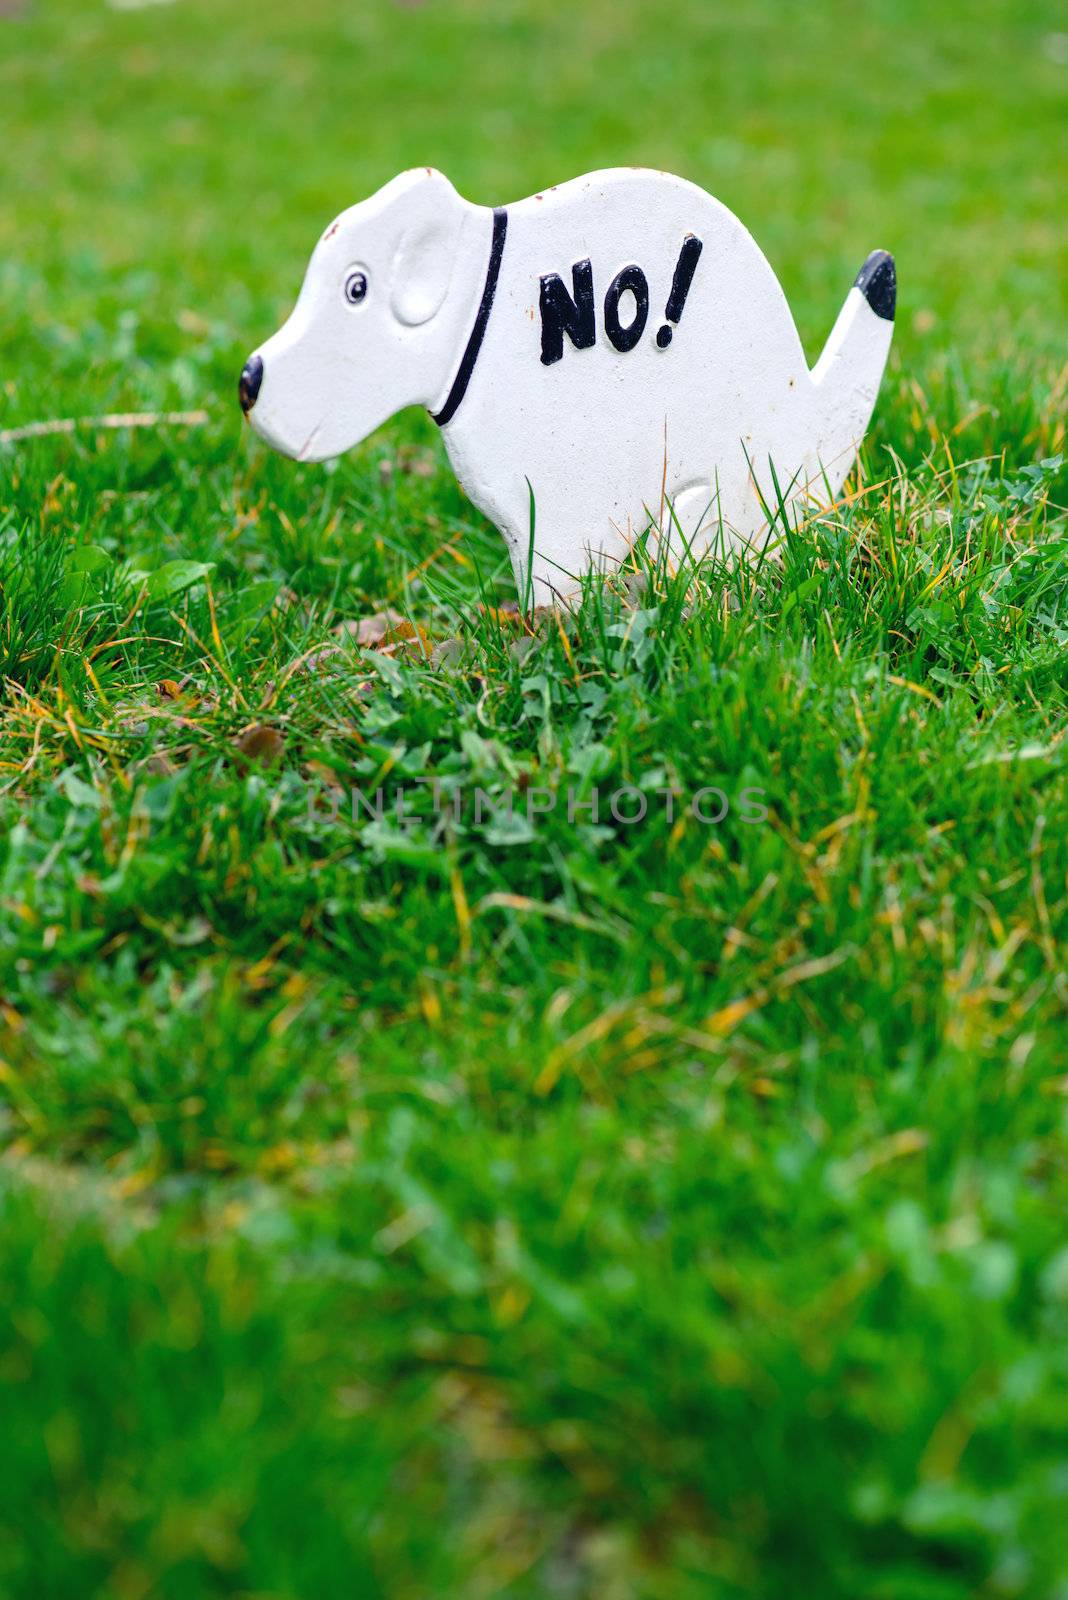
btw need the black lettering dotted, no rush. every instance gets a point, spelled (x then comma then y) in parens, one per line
(631, 279)
(685, 268)
(561, 314)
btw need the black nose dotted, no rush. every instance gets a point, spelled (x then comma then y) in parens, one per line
(248, 385)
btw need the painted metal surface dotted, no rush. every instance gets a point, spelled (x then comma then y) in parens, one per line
(617, 347)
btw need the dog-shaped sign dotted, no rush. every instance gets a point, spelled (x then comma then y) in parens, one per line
(609, 357)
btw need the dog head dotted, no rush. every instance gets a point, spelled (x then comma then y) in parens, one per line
(371, 331)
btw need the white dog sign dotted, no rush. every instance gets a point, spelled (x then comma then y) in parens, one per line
(610, 357)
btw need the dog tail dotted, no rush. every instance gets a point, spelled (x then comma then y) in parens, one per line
(847, 375)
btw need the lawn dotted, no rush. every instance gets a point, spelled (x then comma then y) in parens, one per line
(457, 1207)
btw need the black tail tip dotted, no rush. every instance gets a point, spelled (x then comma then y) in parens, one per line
(877, 282)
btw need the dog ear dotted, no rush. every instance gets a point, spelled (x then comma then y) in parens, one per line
(427, 254)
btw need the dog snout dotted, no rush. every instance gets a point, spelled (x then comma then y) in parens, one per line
(248, 385)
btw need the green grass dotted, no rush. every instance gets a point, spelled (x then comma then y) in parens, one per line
(643, 1213)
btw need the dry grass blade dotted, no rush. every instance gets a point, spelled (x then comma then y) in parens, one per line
(111, 420)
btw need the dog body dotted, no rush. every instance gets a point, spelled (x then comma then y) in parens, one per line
(616, 350)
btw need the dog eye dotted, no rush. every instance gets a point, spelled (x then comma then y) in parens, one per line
(355, 287)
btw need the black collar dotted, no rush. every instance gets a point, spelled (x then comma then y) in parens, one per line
(474, 343)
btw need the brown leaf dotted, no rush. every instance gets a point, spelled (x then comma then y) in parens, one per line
(369, 631)
(259, 745)
(506, 615)
(538, 619)
(325, 774)
(406, 640)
